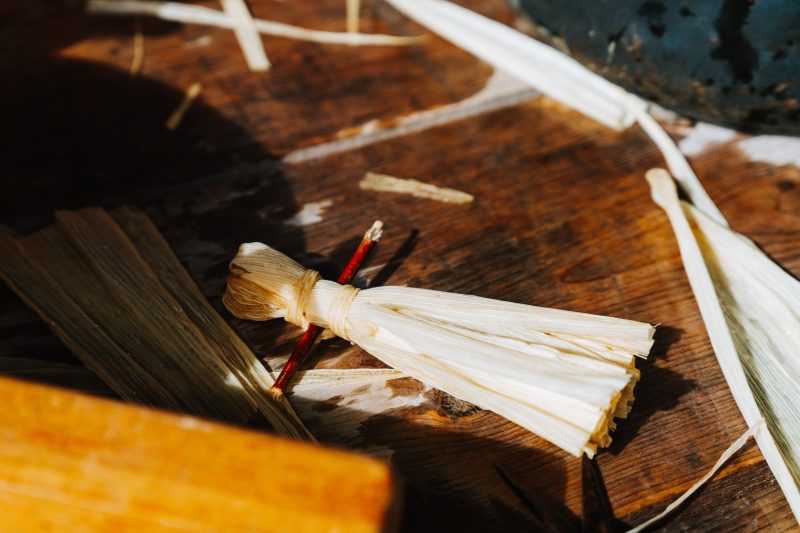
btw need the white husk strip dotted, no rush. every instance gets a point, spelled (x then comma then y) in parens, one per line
(750, 309)
(335, 378)
(191, 14)
(560, 374)
(384, 183)
(176, 117)
(726, 455)
(247, 34)
(81, 378)
(679, 167)
(766, 323)
(353, 9)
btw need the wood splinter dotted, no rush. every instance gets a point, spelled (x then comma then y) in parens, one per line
(384, 183)
(137, 62)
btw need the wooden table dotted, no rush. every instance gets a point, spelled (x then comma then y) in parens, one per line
(562, 218)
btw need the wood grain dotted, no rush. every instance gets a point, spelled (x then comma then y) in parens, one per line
(562, 217)
(70, 462)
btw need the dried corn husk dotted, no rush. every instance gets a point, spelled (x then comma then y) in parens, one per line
(79, 377)
(116, 295)
(334, 379)
(751, 308)
(191, 14)
(353, 11)
(247, 34)
(562, 375)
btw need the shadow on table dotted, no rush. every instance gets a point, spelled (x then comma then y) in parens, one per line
(659, 389)
(78, 133)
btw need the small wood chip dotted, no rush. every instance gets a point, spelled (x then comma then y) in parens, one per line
(138, 47)
(176, 117)
(381, 182)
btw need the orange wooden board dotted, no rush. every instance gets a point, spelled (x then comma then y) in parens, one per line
(69, 462)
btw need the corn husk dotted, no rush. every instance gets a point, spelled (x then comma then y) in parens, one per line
(560, 374)
(336, 379)
(119, 299)
(176, 117)
(751, 308)
(191, 14)
(306, 383)
(244, 27)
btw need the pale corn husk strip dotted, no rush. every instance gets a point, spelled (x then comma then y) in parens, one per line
(679, 167)
(560, 374)
(190, 14)
(79, 377)
(383, 183)
(751, 308)
(353, 11)
(335, 378)
(726, 455)
(138, 48)
(176, 117)
(247, 34)
(563, 79)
